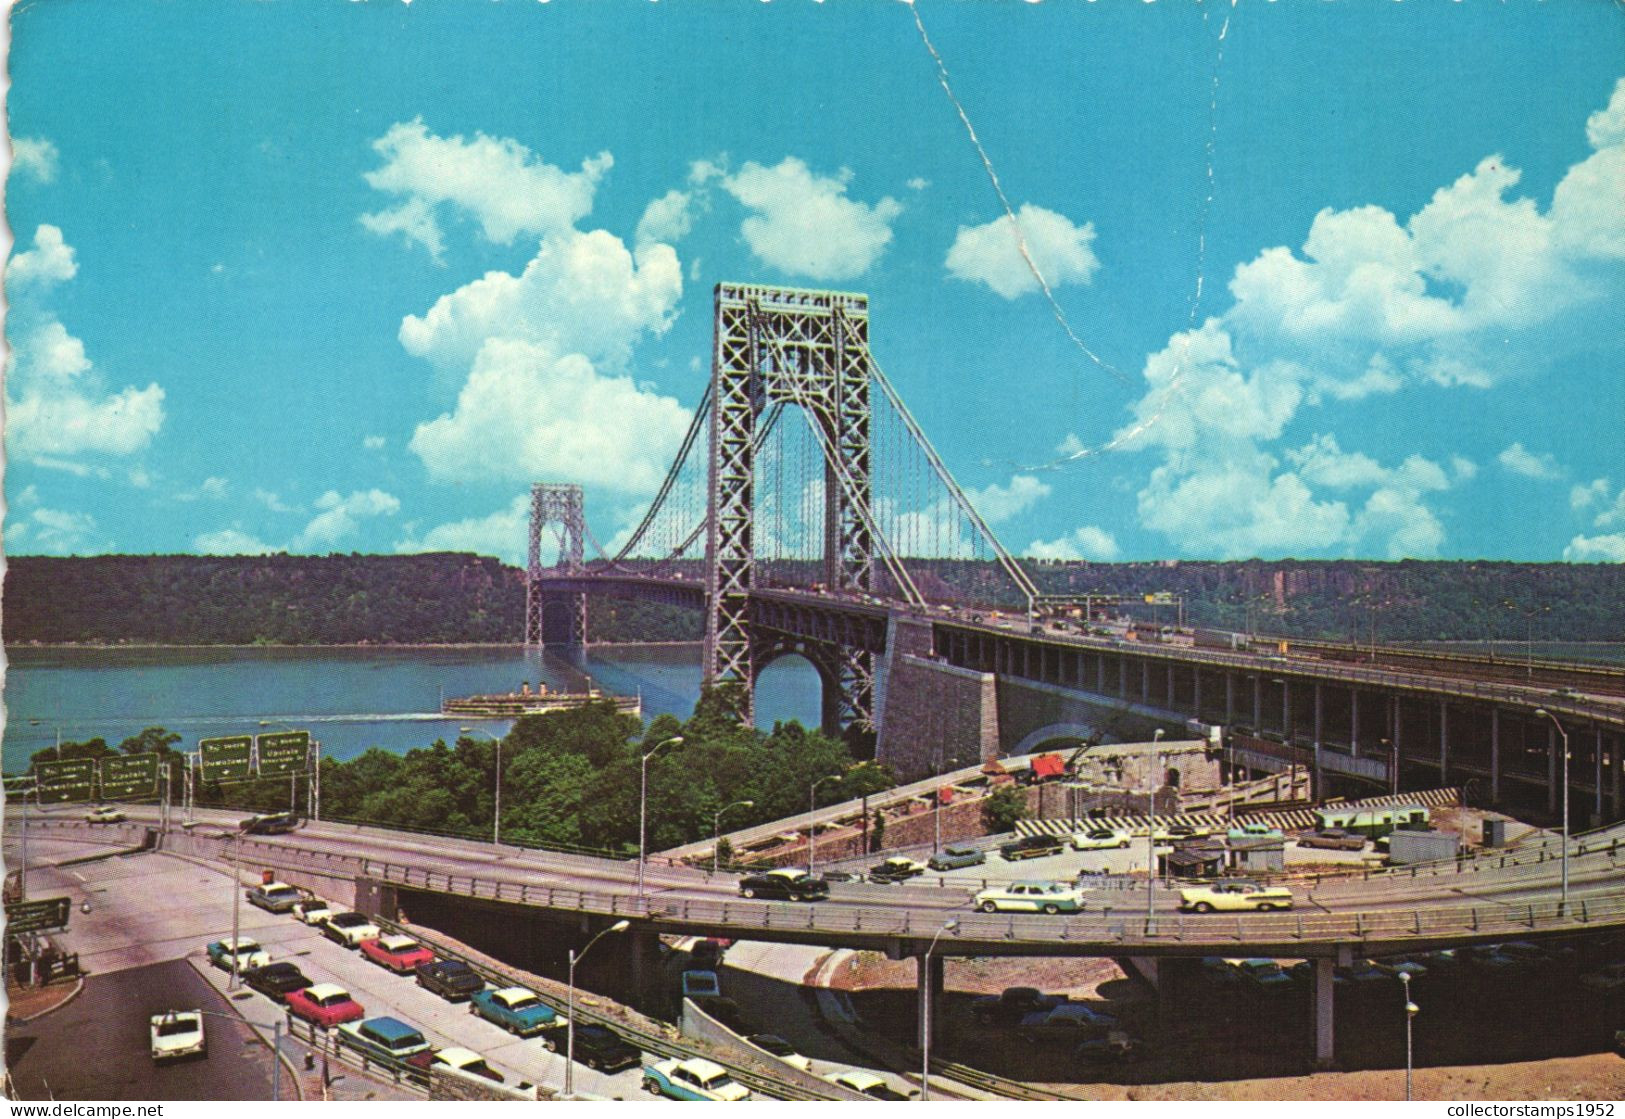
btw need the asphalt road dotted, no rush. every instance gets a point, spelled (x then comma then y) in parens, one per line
(97, 1047)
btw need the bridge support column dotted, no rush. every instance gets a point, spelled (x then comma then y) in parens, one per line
(1229, 697)
(1100, 674)
(1173, 687)
(1286, 711)
(1145, 681)
(1321, 995)
(1596, 781)
(1354, 722)
(643, 963)
(934, 975)
(1617, 756)
(1258, 705)
(1444, 743)
(1495, 755)
(1196, 690)
(1551, 767)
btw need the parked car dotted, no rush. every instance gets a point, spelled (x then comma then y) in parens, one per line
(1254, 831)
(464, 1060)
(325, 1004)
(954, 856)
(866, 1083)
(1030, 897)
(1220, 972)
(597, 1047)
(1178, 833)
(1098, 839)
(246, 949)
(400, 954)
(177, 1033)
(275, 897)
(1333, 839)
(1362, 976)
(105, 814)
(693, 1078)
(896, 869)
(706, 953)
(312, 911)
(1070, 1022)
(276, 981)
(519, 1010)
(450, 979)
(387, 1039)
(1605, 980)
(1032, 847)
(1266, 975)
(273, 823)
(699, 983)
(783, 1050)
(349, 929)
(786, 883)
(1231, 896)
(1011, 1005)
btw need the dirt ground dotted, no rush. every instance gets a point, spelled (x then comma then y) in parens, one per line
(884, 992)
(26, 1002)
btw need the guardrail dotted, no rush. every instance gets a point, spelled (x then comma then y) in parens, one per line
(330, 1044)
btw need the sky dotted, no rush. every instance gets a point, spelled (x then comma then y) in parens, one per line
(1314, 280)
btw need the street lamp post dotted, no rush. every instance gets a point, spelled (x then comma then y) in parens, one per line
(236, 903)
(293, 778)
(275, 1026)
(570, 1011)
(925, 1011)
(716, 831)
(1411, 1010)
(812, 824)
(1541, 712)
(496, 810)
(1150, 829)
(643, 804)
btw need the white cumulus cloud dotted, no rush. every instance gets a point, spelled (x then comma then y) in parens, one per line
(230, 542)
(1086, 543)
(999, 503)
(1596, 549)
(503, 534)
(667, 219)
(1528, 464)
(804, 223)
(341, 517)
(48, 263)
(34, 157)
(991, 254)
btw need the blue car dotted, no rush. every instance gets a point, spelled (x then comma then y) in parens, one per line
(518, 1010)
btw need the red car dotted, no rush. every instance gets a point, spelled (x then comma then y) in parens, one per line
(397, 953)
(325, 1004)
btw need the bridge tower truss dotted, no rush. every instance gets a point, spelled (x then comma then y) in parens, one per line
(560, 507)
(776, 346)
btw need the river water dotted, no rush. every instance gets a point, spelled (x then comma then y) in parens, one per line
(350, 699)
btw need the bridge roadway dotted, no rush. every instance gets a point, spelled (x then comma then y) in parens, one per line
(1487, 898)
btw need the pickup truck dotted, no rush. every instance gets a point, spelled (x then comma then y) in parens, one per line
(518, 1010)
(1032, 847)
(1011, 1005)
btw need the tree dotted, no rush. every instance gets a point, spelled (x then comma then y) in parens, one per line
(725, 852)
(1003, 807)
(877, 834)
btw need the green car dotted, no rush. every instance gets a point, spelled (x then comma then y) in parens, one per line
(955, 856)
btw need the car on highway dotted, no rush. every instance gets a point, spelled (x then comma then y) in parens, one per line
(896, 869)
(1032, 847)
(783, 1050)
(452, 980)
(1254, 831)
(1099, 839)
(1234, 896)
(276, 981)
(349, 929)
(1177, 833)
(519, 1010)
(787, 883)
(865, 1083)
(464, 1061)
(1070, 1022)
(1011, 1005)
(388, 1039)
(400, 954)
(312, 911)
(177, 1033)
(1030, 897)
(269, 823)
(325, 1005)
(246, 949)
(692, 1078)
(1332, 839)
(598, 1047)
(105, 814)
(1266, 975)
(275, 897)
(954, 856)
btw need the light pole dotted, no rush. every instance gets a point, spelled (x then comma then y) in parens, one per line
(812, 824)
(643, 804)
(925, 1011)
(716, 830)
(293, 778)
(1150, 828)
(570, 1019)
(1411, 1010)
(496, 812)
(275, 1026)
(236, 902)
(1541, 712)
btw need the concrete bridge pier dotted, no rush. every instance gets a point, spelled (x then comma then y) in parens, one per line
(642, 958)
(932, 976)
(1322, 1013)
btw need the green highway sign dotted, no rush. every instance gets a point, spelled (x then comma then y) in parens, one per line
(19, 785)
(130, 777)
(40, 915)
(65, 781)
(226, 759)
(283, 753)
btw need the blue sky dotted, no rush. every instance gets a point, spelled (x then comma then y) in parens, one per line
(348, 277)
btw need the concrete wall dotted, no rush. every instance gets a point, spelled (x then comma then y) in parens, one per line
(1030, 711)
(936, 717)
(449, 1084)
(336, 888)
(697, 1024)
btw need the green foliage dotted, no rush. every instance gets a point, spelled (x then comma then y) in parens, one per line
(877, 833)
(1003, 807)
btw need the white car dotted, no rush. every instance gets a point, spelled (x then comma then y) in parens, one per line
(1030, 897)
(1234, 896)
(1099, 839)
(465, 1061)
(104, 814)
(177, 1033)
(693, 1078)
(349, 929)
(865, 1083)
(312, 911)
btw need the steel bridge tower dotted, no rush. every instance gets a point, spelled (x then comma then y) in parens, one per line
(558, 506)
(810, 349)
